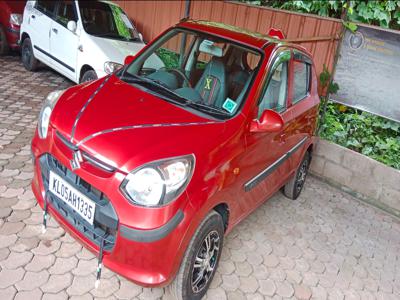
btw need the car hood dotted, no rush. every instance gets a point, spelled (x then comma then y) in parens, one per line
(126, 126)
(116, 50)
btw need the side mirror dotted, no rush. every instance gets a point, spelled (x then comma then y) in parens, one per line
(129, 59)
(71, 25)
(141, 36)
(270, 121)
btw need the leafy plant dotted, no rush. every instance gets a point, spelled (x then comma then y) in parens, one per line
(385, 13)
(363, 132)
(350, 26)
(326, 80)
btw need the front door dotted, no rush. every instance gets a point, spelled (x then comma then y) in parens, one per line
(63, 42)
(265, 159)
(39, 21)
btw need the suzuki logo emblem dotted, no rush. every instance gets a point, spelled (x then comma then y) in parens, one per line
(76, 160)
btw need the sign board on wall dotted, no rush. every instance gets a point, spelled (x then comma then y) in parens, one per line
(368, 71)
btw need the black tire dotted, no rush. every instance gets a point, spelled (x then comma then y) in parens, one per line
(181, 287)
(293, 188)
(28, 58)
(4, 49)
(89, 75)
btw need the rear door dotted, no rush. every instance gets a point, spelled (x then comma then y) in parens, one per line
(63, 42)
(39, 24)
(303, 105)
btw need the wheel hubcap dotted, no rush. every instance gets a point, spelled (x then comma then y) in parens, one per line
(301, 176)
(205, 261)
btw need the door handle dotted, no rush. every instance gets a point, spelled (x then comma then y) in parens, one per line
(55, 30)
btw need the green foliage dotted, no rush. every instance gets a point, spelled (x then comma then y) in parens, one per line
(385, 13)
(325, 79)
(350, 26)
(363, 132)
(330, 8)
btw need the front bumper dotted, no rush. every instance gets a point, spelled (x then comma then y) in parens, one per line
(139, 249)
(12, 35)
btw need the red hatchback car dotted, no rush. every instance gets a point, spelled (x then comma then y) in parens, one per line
(151, 166)
(10, 22)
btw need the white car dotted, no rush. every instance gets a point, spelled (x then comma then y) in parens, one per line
(82, 40)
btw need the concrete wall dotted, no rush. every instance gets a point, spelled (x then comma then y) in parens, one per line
(360, 175)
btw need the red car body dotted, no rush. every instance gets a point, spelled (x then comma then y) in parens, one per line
(11, 30)
(150, 242)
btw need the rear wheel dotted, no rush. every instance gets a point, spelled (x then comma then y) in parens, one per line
(28, 58)
(4, 49)
(200, 261)
(293, 188)
(89, 75)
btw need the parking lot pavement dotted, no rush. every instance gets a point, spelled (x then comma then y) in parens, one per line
(325, 244)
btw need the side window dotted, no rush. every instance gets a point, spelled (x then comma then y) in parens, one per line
(301, 77)
(46, 6)
(66, 12)
(276, 92)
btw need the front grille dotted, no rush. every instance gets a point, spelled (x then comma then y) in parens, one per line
(92, 160)
(105, 222)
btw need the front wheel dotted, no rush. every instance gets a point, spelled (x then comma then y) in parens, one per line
(200, 261)
(28, 58)
(293, 188)
(89, 75)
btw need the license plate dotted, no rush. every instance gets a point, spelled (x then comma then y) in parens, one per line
(71, 196)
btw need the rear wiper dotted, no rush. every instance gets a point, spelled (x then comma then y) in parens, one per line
(209, 108)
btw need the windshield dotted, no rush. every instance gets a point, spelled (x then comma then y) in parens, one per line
(196, 70)
(107, 20)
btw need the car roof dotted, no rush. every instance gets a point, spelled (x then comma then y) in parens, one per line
(240, 35)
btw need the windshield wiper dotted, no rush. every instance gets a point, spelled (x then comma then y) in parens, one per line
(176, 99)
(208, 108)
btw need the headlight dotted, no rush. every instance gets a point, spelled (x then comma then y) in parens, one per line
(45, 113)
(16, 19)
(110, 67)
(160, 182)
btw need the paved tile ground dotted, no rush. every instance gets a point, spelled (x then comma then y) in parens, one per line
(325, 245)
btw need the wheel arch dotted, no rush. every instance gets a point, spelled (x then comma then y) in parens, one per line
(84, 68)
(223, 210)
(310, 150)
(24, 36)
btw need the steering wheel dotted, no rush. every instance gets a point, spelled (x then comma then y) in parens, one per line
(186, 82)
